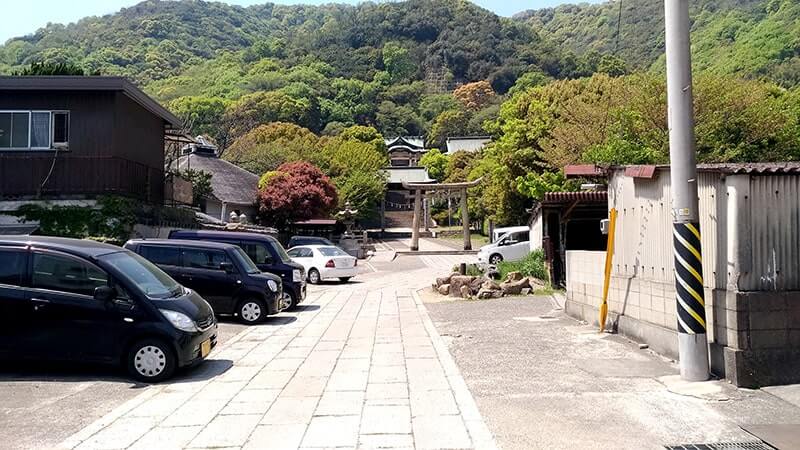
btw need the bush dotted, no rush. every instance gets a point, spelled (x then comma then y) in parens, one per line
(531, 266)
(472, 270)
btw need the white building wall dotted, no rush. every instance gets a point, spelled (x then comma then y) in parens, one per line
(537, 232)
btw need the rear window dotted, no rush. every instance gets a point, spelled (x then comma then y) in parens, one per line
(12, 266)
(162, 255)
(197, 258)
(332, 251)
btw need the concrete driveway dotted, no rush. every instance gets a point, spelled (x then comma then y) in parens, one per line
(543, 381)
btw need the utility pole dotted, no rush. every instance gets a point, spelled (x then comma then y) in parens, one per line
(692, 341)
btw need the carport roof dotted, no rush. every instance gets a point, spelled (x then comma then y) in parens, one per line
(551, 198)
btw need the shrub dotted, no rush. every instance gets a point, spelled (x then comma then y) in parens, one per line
(531, 266)
(472, 270)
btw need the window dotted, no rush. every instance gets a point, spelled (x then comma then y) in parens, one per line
(245, 261)
(166, 256)
(521, 236)
(401, 163)
(278, 249)
(204, 259)
(33, 130)
(257, 252)
(12, 266)
(301, 253)
(65, 274)
(143, 275)
(332, 251)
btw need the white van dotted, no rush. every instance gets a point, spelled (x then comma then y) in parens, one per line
(512, 246)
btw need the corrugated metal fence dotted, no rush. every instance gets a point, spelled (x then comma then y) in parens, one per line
(643, 247)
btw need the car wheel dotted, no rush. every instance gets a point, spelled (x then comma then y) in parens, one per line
(252, 310)
(495, 259)
(313, 276)
(290, 299)
(151, 361)
(344, 279)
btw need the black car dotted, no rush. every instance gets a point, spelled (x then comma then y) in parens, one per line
(294, 241)
(222, 274)
(268, 254)
(79, 300)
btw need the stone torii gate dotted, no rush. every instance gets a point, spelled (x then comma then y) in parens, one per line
(419, 188)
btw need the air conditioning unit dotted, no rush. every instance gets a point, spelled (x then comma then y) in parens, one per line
(604, 226)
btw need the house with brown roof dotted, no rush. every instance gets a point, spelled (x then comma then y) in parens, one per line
(72, 138)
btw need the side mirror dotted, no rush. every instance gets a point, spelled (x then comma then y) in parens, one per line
(226, 266)
(105, 293)
(269, 260)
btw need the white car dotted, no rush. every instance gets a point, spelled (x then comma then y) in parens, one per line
(512, 246)
(324, 262)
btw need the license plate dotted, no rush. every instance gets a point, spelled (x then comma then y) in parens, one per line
(205, 348)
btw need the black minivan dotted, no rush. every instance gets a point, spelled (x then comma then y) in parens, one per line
(79, 300)
(268, 254)
(221, 273)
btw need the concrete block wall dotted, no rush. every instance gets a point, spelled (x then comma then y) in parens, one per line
(757, 337)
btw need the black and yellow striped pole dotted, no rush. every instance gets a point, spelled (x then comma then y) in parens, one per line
(692, 341)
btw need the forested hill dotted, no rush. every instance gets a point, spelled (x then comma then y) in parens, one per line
(450, 40)
(752, 38)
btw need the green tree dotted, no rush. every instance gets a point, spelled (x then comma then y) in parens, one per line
(535, 185)
(363, 189)
(268, 146)
(365, 134)
(50, 69)
(203, 115)
(436, 163)
(397, 61)
(201, 185)
(454, 122)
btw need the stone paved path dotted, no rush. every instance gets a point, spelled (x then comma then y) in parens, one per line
(361, 367)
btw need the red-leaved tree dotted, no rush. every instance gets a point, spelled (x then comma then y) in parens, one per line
(295, 191)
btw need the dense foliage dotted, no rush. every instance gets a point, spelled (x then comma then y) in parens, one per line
(282, 88)
(353, 159)
(754, 38)
(532, 266)
(229, 69)
(296, 191)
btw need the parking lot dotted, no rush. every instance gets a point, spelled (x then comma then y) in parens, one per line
(43, 404)
(358, 364)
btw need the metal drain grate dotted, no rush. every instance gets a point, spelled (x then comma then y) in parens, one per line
(754, 445)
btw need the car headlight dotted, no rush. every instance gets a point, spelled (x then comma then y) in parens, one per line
(273, 286)
(297, 276)
(179, 320)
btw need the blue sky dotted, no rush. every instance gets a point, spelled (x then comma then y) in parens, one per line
(25, 17)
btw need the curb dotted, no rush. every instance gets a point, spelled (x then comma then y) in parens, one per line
(476, 427)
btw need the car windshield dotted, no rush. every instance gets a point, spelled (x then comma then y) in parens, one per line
(280, 251)
(246, 263)
(151, 280)
(332, 251)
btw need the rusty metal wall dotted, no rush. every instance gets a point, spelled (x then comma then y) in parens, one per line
(643, 247)
(774, 234)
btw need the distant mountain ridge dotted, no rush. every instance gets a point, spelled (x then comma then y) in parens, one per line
(752, 38)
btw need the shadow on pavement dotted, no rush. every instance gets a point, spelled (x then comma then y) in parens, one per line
(207, 370)
(271, 320)
(301, 308)
(48, 371)
(62, 372)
